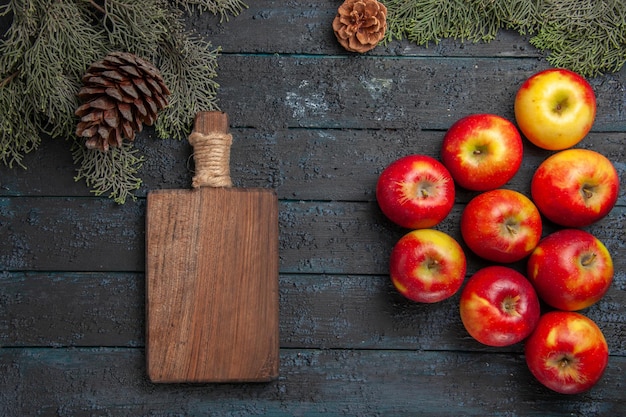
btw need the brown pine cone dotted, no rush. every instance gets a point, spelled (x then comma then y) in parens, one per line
(121, 93)
(360, 24)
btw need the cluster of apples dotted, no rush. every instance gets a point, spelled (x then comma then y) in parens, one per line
(569, 269)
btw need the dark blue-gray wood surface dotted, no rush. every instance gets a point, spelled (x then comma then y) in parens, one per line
(317, 125)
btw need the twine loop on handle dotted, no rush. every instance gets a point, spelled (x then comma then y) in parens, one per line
(211, 155)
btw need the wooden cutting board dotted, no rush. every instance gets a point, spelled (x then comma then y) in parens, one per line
(212, 272)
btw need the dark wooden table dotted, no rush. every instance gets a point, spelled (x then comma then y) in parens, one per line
(318, 125)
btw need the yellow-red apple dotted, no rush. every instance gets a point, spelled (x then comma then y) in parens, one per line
(482, 151)
(575, 187)
(499, 306)
(501, 225)
(571, 269)
(427, 266)
(415, 191)
(555, 108)
(567, 352)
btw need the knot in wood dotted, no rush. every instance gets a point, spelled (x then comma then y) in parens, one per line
(211, 155)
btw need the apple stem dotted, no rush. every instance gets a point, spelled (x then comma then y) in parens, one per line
(511, 229)
(587, 192)
(588, 259)
(509, 305)
(560, 106)
(564, 362)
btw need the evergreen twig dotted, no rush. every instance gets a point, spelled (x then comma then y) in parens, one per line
(426, 21)
(50, 44)
(8, 79)
(190, 74)
(586, 36)
(18, 136)
(139, 26)
(114, 172)
(223, 8)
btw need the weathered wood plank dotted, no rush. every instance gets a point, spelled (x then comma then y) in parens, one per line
(71, 234)
(50, 170)
(298, 28)
(94, 234)
(366, 312)
(112, 382)
(392, 93)
(72, 309)
(212, 282)
(316, 311)
(300, 164)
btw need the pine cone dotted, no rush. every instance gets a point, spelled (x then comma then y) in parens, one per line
(360, 24)
(121, 93)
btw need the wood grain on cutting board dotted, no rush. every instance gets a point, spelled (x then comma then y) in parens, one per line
(212, 285)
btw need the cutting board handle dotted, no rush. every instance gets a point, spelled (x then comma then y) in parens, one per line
(211, 150)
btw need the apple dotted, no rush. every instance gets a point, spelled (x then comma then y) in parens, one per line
(571, 269)
(567, 352)
(482, 151)
(415, 191)
(427, 265)
(555, 108)
(499, 306)
(575, 187)
(501, 225)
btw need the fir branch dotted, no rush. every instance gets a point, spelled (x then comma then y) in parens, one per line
(426, 21)
(581, 53)
(189, 68)
(50, 44)
(8, 79)
(223, 8)
(188, 64)
(17, 39)
(586, 36)
(139, 26)
(521, 15)
(19, 135)
(96, 6)
(69, 32)
(114, 172)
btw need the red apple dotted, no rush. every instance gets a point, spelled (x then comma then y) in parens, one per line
(427, 266)
(501, 225)
(567, 352)
(555, 108)
(499, 306)
(571, 269)
(575, 187)
(415, 192)
(482, 151)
